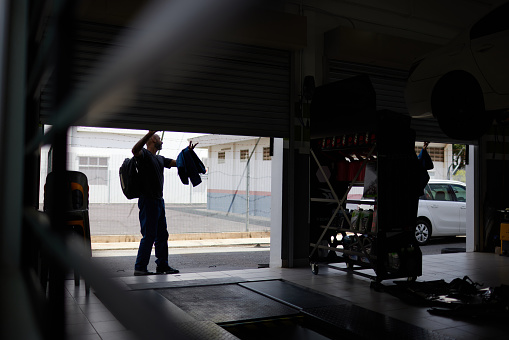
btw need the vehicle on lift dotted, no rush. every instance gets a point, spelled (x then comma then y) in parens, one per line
(442, 210)
(464, 84)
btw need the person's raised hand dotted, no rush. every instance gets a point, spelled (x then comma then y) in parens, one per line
(191, 145)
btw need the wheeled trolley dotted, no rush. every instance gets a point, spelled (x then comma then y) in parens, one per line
(365, 187)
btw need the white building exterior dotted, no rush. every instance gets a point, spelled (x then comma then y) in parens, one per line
(99, 153)
(441, 155)
(231, 185)
(234, 184)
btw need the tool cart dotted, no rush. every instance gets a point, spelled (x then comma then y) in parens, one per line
(365, 187)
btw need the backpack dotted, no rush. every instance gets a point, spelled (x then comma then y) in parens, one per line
(130, 180)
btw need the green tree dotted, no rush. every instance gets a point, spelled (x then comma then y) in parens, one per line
(456, 170)
(460, 175)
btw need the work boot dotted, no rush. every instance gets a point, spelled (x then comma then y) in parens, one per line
(166, 270)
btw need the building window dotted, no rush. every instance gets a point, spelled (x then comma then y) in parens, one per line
(95, 168)
(221, 157)
(266, 154)
(436, 154)
(244, 155)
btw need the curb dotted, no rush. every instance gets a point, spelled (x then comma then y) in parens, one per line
(181, 237)
(187, 244)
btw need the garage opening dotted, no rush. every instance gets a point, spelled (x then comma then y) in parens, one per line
(221, 87)
(230, 208)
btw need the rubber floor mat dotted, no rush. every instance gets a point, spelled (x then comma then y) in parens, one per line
(225, 303)
(298, 297)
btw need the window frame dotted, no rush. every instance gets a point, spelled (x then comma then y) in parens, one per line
(266, 154)
(428, 195)
(221, 160)
(447, 190)
(244, 155)
(456, 198)
(89, 168)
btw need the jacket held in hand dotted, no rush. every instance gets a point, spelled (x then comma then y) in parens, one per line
(189, 166)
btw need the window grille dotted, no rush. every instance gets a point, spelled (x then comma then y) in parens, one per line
(221, 157)
(436, 154)
(244, 155)
(266, 154)
(95, 168)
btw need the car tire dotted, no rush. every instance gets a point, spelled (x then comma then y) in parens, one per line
(457, 103)
(422, 231)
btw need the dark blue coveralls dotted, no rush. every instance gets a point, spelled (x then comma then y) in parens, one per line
(152, 214)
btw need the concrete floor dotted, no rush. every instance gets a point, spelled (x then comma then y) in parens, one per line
(89, 318)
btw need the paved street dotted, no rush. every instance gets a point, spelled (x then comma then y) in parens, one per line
(219, 258)
(122, 219)
(194, 260)
(436, 245)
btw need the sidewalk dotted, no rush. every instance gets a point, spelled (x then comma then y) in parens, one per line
(187, 243)
(190, 240)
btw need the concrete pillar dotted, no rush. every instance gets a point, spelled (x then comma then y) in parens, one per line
(473, 199)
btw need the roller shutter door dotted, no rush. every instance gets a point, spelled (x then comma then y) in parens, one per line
(222, 88)
(389, 85)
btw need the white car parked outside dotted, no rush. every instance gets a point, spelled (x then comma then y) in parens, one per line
(442, 210)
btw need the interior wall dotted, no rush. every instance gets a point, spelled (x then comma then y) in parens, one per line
(432, 21)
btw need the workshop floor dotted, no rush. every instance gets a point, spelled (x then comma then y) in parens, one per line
(344, 300)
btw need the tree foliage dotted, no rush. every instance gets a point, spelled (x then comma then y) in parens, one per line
(456, 170)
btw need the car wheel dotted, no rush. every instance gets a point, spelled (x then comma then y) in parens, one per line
(422, 232)
(457, 103)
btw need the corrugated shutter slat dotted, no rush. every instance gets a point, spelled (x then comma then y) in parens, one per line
(221, 88)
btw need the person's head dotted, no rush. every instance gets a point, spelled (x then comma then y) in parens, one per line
(155, 140)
